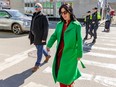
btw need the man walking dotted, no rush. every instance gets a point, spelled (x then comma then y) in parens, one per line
(94, 23)
(38, 34)
(88, 23)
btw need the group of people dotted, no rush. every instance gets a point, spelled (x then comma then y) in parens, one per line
(107, 22)
(109, 18)
(92, 22)
(69, 44)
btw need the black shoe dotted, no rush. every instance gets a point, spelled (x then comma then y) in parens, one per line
(85, 38)
(107, 30)
(91, 34)
(90, 37)
(93, 41)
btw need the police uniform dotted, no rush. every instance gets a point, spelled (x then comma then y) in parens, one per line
(87, 21)
(94, 24)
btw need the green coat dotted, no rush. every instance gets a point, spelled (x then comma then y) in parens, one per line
(68, 71)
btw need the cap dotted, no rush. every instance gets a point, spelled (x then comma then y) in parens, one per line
(88, 11)
(95, 8)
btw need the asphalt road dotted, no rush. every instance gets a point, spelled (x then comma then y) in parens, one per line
(17, 58)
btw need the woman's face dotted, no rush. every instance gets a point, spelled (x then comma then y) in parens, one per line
(65, 14)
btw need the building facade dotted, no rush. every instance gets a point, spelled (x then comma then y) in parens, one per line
(17, 4)
(50, 7)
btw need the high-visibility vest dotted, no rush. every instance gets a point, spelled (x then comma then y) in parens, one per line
(86, 19)
(98, 16)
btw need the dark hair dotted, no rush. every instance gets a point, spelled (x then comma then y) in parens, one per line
(69, 9)
(89, 12)
(95, 8)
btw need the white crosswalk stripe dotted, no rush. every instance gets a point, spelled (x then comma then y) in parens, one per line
(106, 37)
(111, 41)
(107, 81)
(14, 60)
(99, 64)
(108, 45)
(84, 76)
(101, 48)
(33, 84)
(101, 55)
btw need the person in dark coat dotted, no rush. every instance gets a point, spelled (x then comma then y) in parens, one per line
(107, 22)
(38, 34)
(87, 21)
(94, 24)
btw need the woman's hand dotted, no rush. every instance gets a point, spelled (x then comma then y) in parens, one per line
(78, 58)
(43, 41)
(48, 49)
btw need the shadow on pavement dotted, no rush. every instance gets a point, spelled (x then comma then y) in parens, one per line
(87, 47)
(16, 80)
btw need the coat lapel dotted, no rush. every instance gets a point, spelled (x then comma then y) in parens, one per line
(70, 26)
(60, 27)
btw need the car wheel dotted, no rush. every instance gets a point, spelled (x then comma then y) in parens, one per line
(16, 28)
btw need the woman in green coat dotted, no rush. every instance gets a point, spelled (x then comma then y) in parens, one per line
(69, 47)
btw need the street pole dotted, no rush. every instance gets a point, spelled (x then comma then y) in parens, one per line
(103, 8)
(55, 8)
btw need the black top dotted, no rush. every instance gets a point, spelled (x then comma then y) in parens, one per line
(38, 29)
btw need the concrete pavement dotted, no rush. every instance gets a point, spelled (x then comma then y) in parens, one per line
(100, 60)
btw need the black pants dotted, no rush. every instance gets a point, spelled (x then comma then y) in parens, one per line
(107, 24)
(93, 30)
(87, 30)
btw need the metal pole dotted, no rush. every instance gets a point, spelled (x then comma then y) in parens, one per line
(103, 8)
(55, 8)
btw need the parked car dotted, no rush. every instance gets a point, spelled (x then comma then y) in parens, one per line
(14, 20)
(29, 15)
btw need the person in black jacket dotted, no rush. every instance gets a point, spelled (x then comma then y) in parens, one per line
(94, 23)
(87, 21)
(38, 34)
(107, 22)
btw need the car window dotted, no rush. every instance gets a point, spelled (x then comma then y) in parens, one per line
(4, 14)
(16, 13)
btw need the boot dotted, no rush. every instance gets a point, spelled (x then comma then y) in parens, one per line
(94, 41)
(35, 68)
(85, 38)
(47, 58)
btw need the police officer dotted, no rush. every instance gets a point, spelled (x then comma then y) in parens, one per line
(94, 23)
(87, 21)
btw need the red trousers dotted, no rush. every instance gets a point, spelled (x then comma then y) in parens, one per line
(63, 85)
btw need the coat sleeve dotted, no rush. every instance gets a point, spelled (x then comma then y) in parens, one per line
(52, 39)
(31, 37)
(45, 27)
(79, 42)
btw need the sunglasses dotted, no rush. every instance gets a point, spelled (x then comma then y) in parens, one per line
(65, 12)
(36, 6)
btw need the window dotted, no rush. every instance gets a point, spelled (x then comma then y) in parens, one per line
(4, 14)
